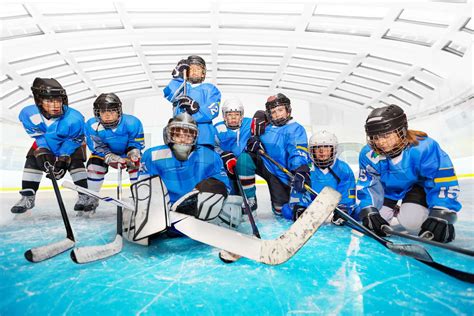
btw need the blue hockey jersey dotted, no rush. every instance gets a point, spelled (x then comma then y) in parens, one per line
(340, 179)
(426, 165)
(128, 133)
(288, 145)
(62, 136)
(208, 97)
(180, 177)
(234, 140)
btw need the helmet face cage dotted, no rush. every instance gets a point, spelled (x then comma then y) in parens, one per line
(275, 101)
(112, 107)
(197, 60)
(47, 89)
(230, 107)
(402, 142)
(108, 102)
(388, 124)
(320, 163)
(181, 137)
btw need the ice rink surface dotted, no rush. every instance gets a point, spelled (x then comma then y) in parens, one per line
(336, 272)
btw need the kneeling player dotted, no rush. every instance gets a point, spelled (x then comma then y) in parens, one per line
(327, 170)
(193, 178)
(402, 166)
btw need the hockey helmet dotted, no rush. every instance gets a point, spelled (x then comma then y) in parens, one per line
(44, 88)
(108, 102)
(274, 101)
(323, 139)
(181, 134)
(196, 60)
(232, 105)
(384, 122)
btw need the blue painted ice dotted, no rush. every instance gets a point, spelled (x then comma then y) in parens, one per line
(336, 272)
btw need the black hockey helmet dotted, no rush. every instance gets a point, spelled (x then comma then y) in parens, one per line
(383, 121)
(182, 125)
(108, 102)
(278, 100)
(197, 60)
(44, 88)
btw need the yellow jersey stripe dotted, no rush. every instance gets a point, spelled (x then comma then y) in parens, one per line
(445, 179)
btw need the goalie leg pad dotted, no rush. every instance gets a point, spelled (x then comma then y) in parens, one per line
(152, 204)
(231, 213)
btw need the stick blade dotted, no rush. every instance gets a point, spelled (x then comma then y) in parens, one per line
(94, 253)
(48, 251)
(411, 250)
(280, 250)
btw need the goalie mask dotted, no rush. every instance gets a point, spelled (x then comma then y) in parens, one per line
(386, 130)
(181, 135)
(108, 110)
(233, 113)
(275, 101)
(197, 69)
(50, 97)
(323, 148)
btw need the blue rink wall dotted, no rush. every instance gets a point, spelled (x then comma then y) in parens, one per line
(336, 272)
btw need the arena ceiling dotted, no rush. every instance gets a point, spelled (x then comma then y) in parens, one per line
(361, 55)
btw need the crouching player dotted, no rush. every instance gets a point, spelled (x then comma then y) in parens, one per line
(58, 133)
(326, 170)
(115, 139)
(178, 176)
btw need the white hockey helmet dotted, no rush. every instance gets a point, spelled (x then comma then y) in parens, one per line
(323, 138)
(232, 105)
(181, 135)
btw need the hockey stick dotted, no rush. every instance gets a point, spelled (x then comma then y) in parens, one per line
(415, 251)
(225, 256)
(93, 253)
(389, 231)
(272, 252)
(183, 87)
(248, 210)
(48, 251)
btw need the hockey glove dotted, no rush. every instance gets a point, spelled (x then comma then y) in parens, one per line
(298, 210)
(61, 166)
(372, 219)
(44, 158)
(229, 160)
(133, 158)
(259, 122)
(254, 145)
(301, 177)
(188, 104)
(115, 161)
(336, 218)
(180, 67)
(439, 226)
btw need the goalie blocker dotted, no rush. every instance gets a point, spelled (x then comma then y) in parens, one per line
(152, 206)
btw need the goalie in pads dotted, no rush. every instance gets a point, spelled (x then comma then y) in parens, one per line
(179, 176)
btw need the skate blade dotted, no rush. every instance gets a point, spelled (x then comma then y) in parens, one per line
(25, 215)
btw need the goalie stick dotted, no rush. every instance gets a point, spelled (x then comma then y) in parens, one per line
(271, 252)
(417, 252)
(48, 251)
(93, 253)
